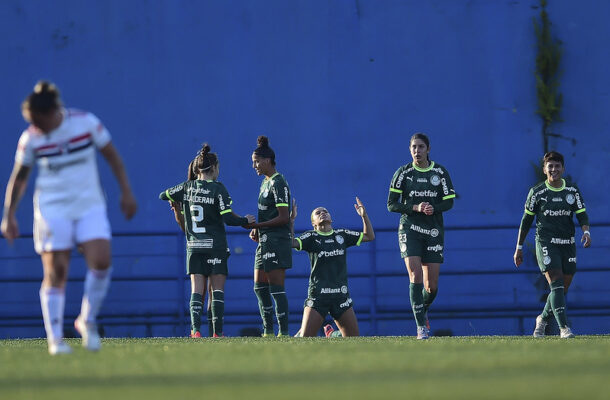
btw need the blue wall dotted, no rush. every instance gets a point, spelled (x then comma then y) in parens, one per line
(338, 87)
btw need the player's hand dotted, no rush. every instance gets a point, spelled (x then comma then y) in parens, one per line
(176, 206)
(428, 209)
(128, 204)
(293, 212)
(360, 207)
(251, 219)
(518, 257)
(422, 206)
(586, 240)
(254, 235)
(10, 228)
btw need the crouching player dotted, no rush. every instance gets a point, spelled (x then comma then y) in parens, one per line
(328, 292)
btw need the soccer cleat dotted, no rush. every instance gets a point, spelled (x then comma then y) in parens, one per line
(540, 329)
(422, 333)
(283, 334)
(89, 333)
(195, 334)
(59, 347)
(218, 336)
(566, 333)
(267, 334)
(328, 330)
(427, 322)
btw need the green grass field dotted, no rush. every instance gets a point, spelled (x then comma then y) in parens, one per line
(317, 368)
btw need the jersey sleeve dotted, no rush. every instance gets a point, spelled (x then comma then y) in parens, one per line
(101, 136)
(25, 152)
(224, 200)
(305, 241)
(530, 204)
(397, 192)
(175, 193)
(579, 208)
(352, 238)
(447, 185)
(281, 193)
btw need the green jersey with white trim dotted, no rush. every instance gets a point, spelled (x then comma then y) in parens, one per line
(412, 185)
(274, 193)
(555, 209)
(203, 204)
(327, 255)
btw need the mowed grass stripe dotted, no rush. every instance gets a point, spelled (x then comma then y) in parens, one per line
(354, 368)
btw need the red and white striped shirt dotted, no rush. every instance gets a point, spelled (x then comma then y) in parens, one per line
(68, 183)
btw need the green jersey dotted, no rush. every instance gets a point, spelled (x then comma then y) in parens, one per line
(555, 209)
(274, 193)
(412, 185)
(203, 204)
(327, 255)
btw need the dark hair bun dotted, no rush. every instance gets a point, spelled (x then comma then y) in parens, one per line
(205, 149)
(263, 141)
(46, 87)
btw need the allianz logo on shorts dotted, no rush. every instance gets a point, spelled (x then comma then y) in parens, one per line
(436, 248)
(266, 256)
(432, 232)
(332, 253)
(263, 238)
(562, 241)
(214, 261)
(347, 303)
(342, 289)
(572, 259)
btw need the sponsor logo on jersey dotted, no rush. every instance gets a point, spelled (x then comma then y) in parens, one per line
(200, 244)
(309, 303)
(445, 187)
(221, 202)
(410, 178)
(423, 193)
(422, 180)
(329, 241)
(175, 189)
(285, 199)
(332, 253)
(543, 198)
(435, 180)
(558, 213)
(570, 199)
(562, 241)
(339, 239)
(214, 261)
(195, 190)
(268, 255)
(400, 178)
(305, 235)
(347, 303)
(557, 199)
(572, 259)
(436, 248)
(579, 201)
(352, 233)
(546, 260)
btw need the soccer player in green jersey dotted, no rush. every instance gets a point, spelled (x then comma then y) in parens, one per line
(206, 206)
(421, 191)
(328, 292)
(554, 204)
(272, 232)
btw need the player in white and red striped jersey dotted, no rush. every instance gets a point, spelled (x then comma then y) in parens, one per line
(69, 206)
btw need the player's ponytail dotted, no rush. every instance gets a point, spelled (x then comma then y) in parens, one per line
(205, 159)
(263, 149)
(43, 99)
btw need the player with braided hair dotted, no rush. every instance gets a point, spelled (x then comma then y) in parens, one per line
(206, 206)
(272, 233)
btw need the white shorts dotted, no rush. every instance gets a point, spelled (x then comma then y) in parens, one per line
(55, 234)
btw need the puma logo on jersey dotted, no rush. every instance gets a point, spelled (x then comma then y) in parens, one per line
(543, 198)
(409, 178)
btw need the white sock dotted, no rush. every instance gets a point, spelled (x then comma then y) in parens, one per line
(52, 302)
(96, 287)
